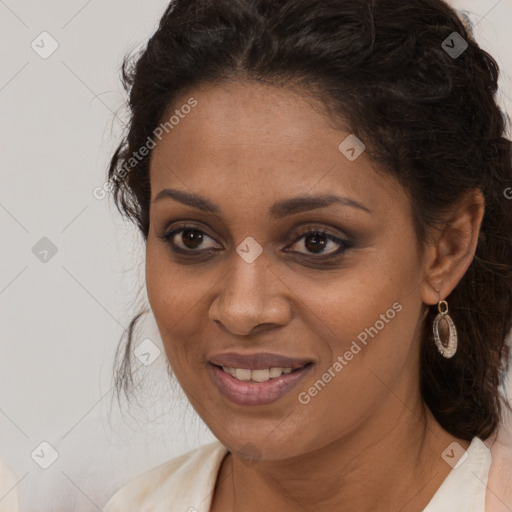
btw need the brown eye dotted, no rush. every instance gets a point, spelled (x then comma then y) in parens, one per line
(192, 238)
(316, 242)
(189, 239)
(322, 243)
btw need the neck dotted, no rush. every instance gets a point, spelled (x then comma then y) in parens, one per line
(383, 465)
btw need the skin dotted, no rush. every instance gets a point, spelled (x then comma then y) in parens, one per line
(366, 441)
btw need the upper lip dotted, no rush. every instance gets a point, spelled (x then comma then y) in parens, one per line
(258, 361)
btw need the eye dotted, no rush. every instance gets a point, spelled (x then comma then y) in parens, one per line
(190, 240)
(321, 242)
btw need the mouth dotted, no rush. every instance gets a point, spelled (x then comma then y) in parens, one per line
(257, 379)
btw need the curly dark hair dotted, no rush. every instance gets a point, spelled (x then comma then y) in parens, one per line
(429, 117)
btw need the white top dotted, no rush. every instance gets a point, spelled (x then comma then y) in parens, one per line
(8, 490)
(186, 484)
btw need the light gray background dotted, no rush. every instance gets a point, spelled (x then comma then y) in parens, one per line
(61, 320)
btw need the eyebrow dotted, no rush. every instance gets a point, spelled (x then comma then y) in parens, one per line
(278, 210)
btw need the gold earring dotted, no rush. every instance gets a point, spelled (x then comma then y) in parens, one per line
(446, 350)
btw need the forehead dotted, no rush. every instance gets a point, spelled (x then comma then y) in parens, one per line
(257, 141)
(252, 114)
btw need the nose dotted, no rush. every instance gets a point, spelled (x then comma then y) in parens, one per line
(252, 298)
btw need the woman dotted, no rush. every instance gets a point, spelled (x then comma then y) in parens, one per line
(320, 187)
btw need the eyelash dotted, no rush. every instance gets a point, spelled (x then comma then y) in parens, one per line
(343, 243)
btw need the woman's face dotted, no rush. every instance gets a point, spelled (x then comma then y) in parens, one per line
(293, 256)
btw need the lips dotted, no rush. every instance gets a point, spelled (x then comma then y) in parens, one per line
(246, 379)
(261, 361)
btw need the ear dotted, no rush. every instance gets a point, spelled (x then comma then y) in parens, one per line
(451, 249)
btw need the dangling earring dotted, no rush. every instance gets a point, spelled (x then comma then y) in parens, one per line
(451, 347)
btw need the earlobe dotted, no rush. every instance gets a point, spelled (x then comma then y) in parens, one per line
(452, 247)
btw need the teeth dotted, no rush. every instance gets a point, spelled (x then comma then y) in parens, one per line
(256, 375)
(260, 375)
(275, 372)
(242, 374)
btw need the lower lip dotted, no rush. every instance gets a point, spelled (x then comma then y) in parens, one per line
(256, 393)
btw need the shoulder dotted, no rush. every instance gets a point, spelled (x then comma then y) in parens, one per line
(465, 486)
(185, 483)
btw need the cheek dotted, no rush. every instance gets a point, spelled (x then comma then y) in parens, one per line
(377, 282)
(369, 318)
(362, 359)
(370, 324)
(175, 294)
